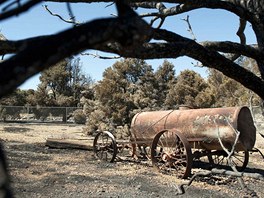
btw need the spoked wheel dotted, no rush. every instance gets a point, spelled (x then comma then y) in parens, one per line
(171, 153)
(201, 159)
(239, 158)
(104, 146)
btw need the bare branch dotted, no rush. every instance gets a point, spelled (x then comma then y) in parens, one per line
(22, 8)
(71, 20)
(240, 31)
(235, 173)
(232, 47)
(11, 4)
(238, 7)
(188, 47)
(231, 152)
(128, 31)
(72, 17)
(237, 133)
(181, 189)
(162, 19)
(241, 35)
(189, 27)
(177, 46)
(101, 57)
(109, 5)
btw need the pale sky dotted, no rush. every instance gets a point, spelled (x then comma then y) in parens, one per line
(214, 25)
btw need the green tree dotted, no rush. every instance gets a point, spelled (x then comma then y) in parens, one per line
(144, 42)
(79, 82)
(17, 98)
(62, 84)
(114, 90)
(228, 92)
(145, 95)
(115, 35)
(188, 90)
(126, 88)
(166, 80)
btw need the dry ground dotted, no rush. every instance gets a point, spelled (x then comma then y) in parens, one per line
(38, 171)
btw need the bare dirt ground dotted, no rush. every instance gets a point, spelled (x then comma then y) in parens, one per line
(38, 171)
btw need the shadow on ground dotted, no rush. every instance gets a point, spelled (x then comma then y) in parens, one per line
(16, 129)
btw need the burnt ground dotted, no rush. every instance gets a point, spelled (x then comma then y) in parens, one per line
(38, 171)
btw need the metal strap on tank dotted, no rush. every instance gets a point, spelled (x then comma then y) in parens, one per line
(166, 116)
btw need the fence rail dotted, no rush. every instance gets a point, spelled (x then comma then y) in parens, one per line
(37, 113)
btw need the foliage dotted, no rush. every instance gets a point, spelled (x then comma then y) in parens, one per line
(144, 42)
(189, 90)
(117, 92)
(227, 92)
(165, 76)
(128, 85)
(9, 113)
(131, 86)
(129, 36)
(61, 85)
(17, 98)
(97, 120)
(145, 93)
(79, 116)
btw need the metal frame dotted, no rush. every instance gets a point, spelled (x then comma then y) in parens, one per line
(170, 152)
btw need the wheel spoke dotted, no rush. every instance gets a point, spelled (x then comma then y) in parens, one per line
(104, 146)
(239, 159)
(171, 153)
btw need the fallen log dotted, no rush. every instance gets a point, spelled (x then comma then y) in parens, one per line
(69, 144)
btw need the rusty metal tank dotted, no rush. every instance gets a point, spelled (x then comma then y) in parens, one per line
(202, 127)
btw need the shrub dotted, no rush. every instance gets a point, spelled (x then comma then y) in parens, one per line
(79, 117)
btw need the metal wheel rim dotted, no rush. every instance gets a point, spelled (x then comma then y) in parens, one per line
(104, 146)
(240, 159)
(171, 153)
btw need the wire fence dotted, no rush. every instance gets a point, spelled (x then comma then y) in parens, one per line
(37, 114)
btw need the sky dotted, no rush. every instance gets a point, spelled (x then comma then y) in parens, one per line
(214, 25)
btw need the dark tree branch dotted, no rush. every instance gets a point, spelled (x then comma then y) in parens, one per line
(128, 30)
(240, 32)
(180, 46)
(189, 27)
(101, 57)
(72, 17)
(198, 52)
(213, 59)
(238, 7)
(175, 46)
(128, 35)
(231, 47)
(5, 189)
(181, 189)
(22, 8)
